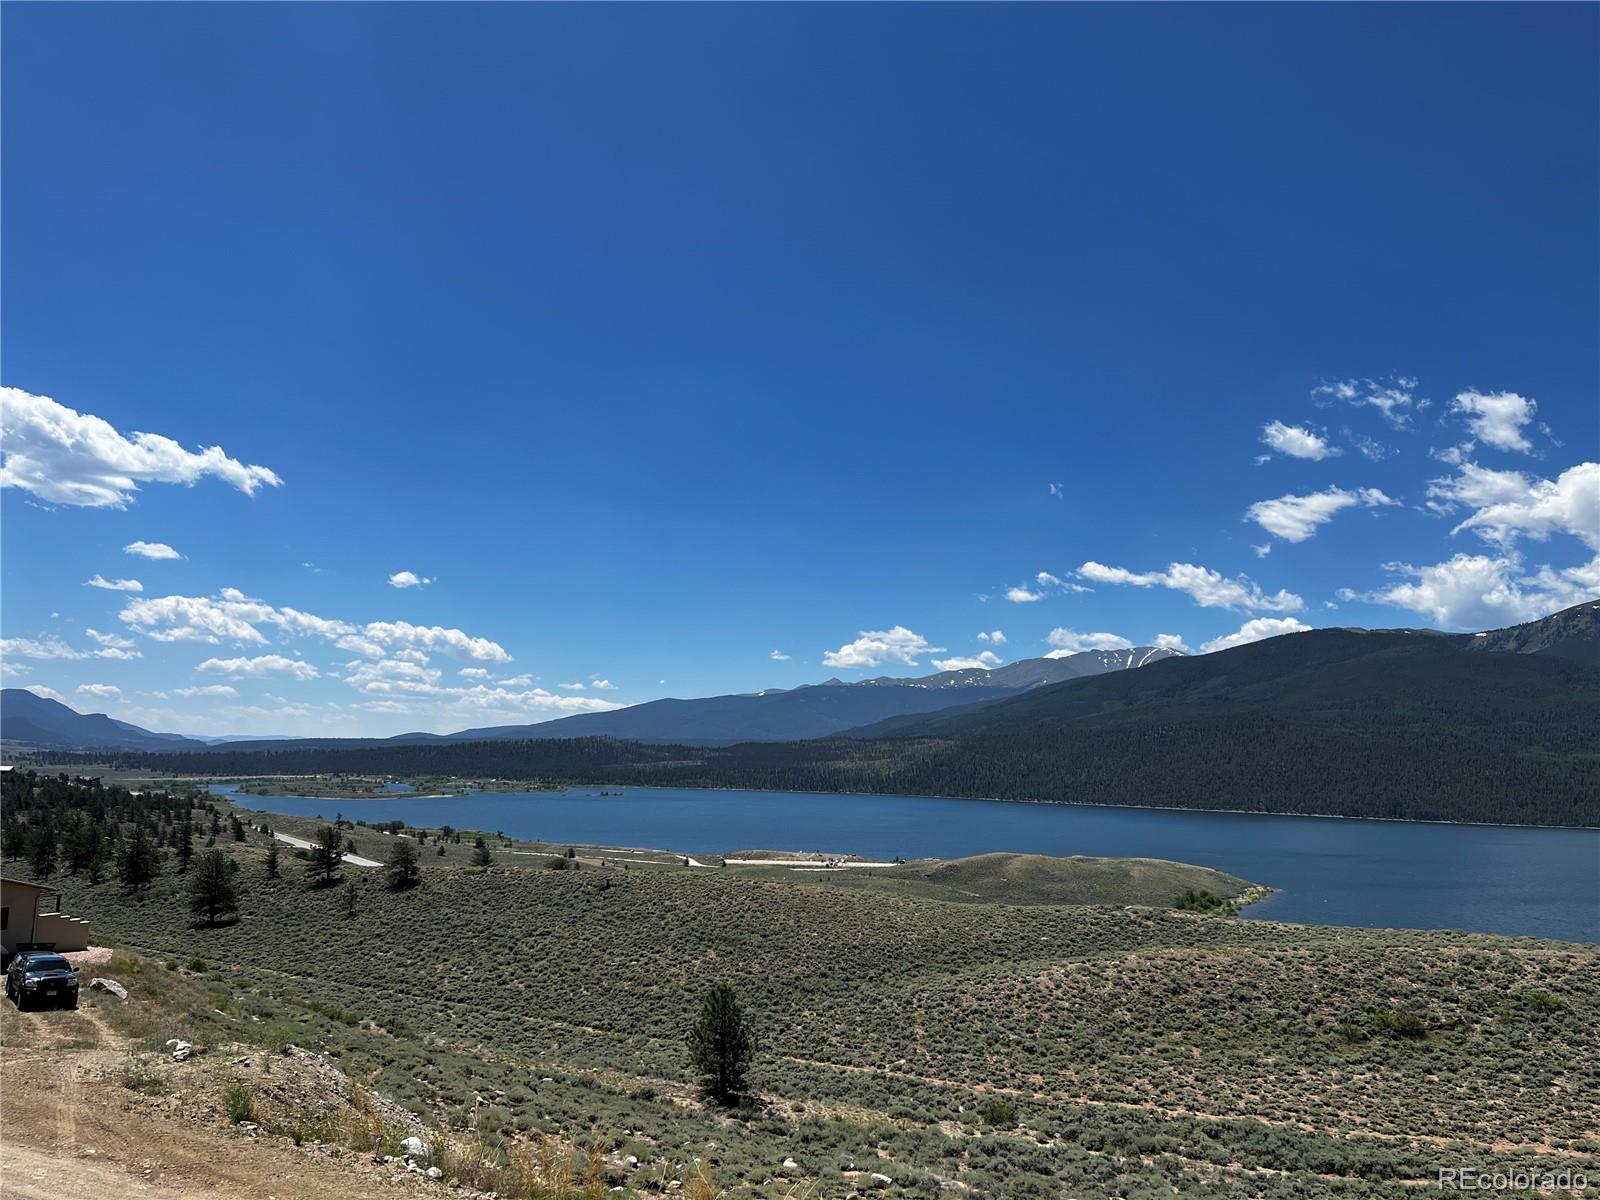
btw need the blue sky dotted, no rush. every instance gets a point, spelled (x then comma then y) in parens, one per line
(663, 339)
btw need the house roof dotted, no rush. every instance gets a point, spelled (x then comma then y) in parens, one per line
(21, 883)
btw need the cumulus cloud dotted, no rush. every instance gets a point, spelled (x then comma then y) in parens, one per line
(1477, 591)
(876, 647)
(13, 670)
(985, 660)
(1296, 441)
(602, 685)
(50, 646)
(66, 457)
(1171, 641)
(153, 550)
(993, 636)
(473, 672)
(1023, 595)
(114, 585)
(47, 693)
(102, 691)
(1509, 504)
(1207, 588)
(1255, 630)
(400, 684)
(1070, 641)
(1395, 398)
(515, 681)
(231, 616)
(211, 689)
(778, 656)
(572, 687)
(409, 579)
(1497, 418)
(261, 667)
(1296, 518)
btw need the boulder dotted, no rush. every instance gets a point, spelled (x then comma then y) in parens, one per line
(435, 1173)
(415, 1147)
(789, 1164)
(879, 1180)
(108, 985)
(181, 1049)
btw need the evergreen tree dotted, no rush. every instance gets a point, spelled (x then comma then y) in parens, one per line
(481, 857)
(327, 851)
(272, 859)
(185, 847)
(211, 891)
(722, 1045)
(401, 871)
(137, 863)
(42, 852)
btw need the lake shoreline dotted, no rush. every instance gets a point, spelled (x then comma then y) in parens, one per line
(1241, 812)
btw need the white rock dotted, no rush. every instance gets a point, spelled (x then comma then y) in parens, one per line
(435, 1173)
(880, 1180)
(108, 985)
(789, 1164)
(180, 1049)
(415, 1147)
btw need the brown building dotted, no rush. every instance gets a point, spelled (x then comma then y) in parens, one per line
(31, 913)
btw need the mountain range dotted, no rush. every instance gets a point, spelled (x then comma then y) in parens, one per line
(775, 714)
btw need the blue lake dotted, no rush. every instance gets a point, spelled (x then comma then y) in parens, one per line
(1391, 874)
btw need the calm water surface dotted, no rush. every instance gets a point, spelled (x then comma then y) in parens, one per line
(1393, 874)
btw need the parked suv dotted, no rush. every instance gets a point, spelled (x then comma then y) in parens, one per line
(42, 979)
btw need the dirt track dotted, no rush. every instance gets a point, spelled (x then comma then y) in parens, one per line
(69, 1130)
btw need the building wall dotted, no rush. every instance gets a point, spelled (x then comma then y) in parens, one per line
(24, 922)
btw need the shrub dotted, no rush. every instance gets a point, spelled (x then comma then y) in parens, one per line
(240, 1102)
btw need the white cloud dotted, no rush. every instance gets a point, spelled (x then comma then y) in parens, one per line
(1394, 398)
(986, 660)
(50, 646)
(515, 681)
(436, 638)
(153, 550)
(1475, 591)
(1057, 491)
(47, 693)
(1070, 641)
(232, 616)
(66, 457)
(1295, 518)
(602, 685)
(1370, 447)
(876, 647)
(473, 672)
(571, 687)
(111, 640)
(1256, 630)
(1022, 595)
(1510, 505)
(102, 691)
(1296, 441)
(1207, 588)
(212, 689)
(993, 636)
(262, 667)
(408, 579)
(778, 656)
(13, 670)
(1172, 641)
(1497, 418)
(395, 675)
(114, 585)
(1262, 550)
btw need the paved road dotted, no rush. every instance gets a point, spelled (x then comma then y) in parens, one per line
(355, 860)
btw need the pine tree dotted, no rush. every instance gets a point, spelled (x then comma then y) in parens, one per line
(721, 1045)
(326, 852)
(272, 859)
(481, 857)
(42, 852)
(137, 863)
(401, 870)
(211, 891)
(185, 847)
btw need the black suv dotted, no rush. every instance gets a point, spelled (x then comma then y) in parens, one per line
(41, 978)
